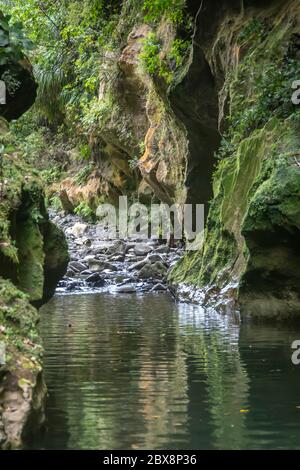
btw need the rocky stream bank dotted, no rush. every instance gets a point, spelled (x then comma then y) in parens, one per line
(98, 264)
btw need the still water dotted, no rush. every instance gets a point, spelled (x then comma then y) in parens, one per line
(142, 372)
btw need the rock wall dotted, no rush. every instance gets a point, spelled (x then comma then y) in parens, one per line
(230, 96)
(33, 257)
(249, 252)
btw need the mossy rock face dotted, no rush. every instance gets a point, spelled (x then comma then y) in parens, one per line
(56, 258)
(252, 228)
(33, 252)
(271, 228)
(18, 102)
(18, 69)
(22, 390)
(33, 257)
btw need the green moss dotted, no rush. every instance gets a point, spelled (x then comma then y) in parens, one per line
(29, 245)
(31, 256)
(18, 321)
(254, 190)
(257, 180)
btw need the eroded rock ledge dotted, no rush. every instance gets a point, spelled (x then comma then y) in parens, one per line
(33, 257)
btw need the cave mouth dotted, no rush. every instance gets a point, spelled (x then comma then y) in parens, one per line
(195, 104)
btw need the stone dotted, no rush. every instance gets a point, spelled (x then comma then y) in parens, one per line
(86, 272)
(72, 286)
(156, 270)
(126, 289)
(110, 267)
(158, 287)
(78, 230)
(88, 259)
(117, 257)
(77, 266)
(96, 265)
(95, 280)
(70, 273)
(162, 249)
(139, 265)
(65, 201)
(117, 247)
(142, 249)
(154, 257)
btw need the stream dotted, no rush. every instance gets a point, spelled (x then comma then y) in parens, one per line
(143, 372)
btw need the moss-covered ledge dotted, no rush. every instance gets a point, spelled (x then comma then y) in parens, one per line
(22, 389)
(33, 257)
(33, 252)
(252, 233)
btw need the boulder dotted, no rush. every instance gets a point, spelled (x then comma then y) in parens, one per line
(117, 247)
(78, 230)
(156, 270)
(154, 257)
(139, 265)
(95, 280)
(77, 266)
(142, 249)
(126, 289)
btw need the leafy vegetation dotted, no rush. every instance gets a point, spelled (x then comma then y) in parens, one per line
(84, 210)
(72, 38)
(159, 65)
(260, 88)
(172, 9)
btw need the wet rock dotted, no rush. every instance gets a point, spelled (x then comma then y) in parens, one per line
(158, 287)
(136, 263)
(154, 258)
(126, 289)
(162, 249)
(84, 241)
(156, 270)
(87, 272)
(117, 247)
(95, 280)
(96, 265)
(119, 257)
(70, 273)
(77, 266)
(142, 249)
(110, 267)
(78, 230)
(139, 265)
(72, 286)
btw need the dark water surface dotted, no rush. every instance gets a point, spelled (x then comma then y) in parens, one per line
(130, 372)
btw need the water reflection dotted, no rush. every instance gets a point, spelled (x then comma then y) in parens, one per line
(130, 372)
